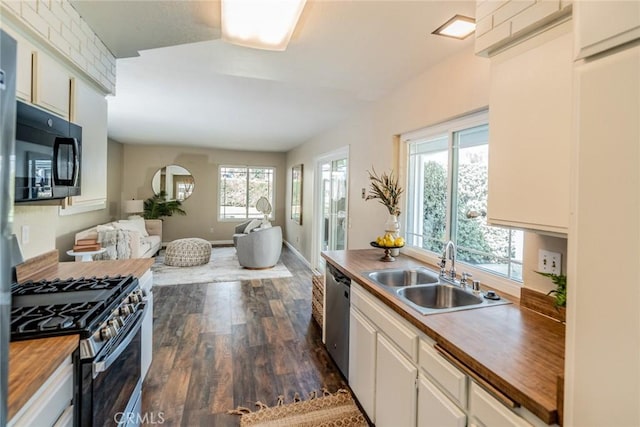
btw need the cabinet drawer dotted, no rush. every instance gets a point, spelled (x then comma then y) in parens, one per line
(486, 410)
(386, 320)
(450, 378)
(50, 401)
(66, 419)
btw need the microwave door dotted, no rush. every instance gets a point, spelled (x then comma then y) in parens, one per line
(65, 164)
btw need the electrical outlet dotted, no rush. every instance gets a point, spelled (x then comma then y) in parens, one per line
(549, 262)
(25, 234)
(364, 193)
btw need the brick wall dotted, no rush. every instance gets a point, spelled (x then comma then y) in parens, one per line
(59, 25)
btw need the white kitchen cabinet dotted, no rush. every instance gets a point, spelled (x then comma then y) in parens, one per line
(90, 112)
(52, 84)
(23, 65)
(435, 409)
(602, 25)
(50, 404)
(486, 410)
(607, 212)
(362, 361)
(396, 397)
(442, 372)
(530, 109)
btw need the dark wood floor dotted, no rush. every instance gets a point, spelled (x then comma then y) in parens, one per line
(220, 345)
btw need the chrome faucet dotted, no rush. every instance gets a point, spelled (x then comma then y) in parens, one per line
(449, 253)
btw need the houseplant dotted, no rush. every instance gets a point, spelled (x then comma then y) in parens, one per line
(560, 292)
(158, 206)
(387, 191)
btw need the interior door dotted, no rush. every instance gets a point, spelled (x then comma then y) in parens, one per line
(331, 219)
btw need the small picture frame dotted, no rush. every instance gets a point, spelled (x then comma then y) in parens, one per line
(296, 193)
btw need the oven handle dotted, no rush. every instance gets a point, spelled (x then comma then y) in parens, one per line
(108, 359)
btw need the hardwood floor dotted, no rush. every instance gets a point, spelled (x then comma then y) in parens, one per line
(220, 345)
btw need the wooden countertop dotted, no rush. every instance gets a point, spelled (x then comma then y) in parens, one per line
(65, 270)
(31, 363)
(516, 350)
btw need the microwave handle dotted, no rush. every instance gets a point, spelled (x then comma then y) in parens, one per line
(76, 161)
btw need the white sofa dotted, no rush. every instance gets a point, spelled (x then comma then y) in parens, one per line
(135, 244)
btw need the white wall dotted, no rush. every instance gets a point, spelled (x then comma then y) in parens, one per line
(456, 86)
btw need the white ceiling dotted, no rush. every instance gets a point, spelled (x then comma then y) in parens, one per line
(189, 87)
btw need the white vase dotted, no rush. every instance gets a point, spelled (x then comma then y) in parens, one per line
(392, 226)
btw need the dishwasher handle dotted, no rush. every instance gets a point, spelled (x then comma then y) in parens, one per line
(338, 276)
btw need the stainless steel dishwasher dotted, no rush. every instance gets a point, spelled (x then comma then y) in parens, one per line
(338, 288)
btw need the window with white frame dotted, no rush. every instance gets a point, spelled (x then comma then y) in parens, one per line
(447, 170)
(241, 187)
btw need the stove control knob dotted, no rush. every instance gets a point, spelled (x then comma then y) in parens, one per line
(126, 310)
(115, 324)
(134, 298)
(108, 332)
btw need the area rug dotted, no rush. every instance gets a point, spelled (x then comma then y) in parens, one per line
(329, 410)
(222, 267)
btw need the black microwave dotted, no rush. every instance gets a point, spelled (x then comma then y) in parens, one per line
(48, 153)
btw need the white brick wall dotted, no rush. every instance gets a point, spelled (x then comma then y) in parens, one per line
(62, 27)
(501, 22)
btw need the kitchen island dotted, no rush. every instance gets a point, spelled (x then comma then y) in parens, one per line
(515, 351)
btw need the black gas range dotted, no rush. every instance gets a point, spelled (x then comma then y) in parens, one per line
(107, 314)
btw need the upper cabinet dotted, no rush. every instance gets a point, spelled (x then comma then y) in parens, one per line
(91, 113)
(501, 23)
(52, 85)
(602, 25)
(23, 65)
(530, 109)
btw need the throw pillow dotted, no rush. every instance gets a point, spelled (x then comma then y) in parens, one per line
(132, 225)
(253, 224)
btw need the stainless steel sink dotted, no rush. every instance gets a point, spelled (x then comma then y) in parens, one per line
(444, 297)
(396, 278)
(439, 296)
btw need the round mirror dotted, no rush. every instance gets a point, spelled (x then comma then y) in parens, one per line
(175, 180)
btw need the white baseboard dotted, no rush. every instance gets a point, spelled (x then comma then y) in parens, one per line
(298, 254)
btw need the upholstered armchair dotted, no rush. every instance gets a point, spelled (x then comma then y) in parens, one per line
(260, 248)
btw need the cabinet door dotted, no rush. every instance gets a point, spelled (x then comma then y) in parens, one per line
(602, 25)
(530, 110)
(435, 409)
(91, 113)
(362, 361)
(51, 85)
(486, 410)
(396, 395)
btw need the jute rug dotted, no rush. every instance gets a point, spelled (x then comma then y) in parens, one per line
(330, 410)
(222, 267)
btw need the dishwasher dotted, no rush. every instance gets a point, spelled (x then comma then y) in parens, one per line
(337, 290)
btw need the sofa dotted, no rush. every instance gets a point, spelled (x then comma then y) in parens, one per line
(125, 239)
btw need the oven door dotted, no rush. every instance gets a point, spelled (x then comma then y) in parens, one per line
(111, 383)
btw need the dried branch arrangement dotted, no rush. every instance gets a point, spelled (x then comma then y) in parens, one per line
(385, 188)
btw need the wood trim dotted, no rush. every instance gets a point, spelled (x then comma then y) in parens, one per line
(542, 303)
(477, 378)
(560, 398)
(31, 267)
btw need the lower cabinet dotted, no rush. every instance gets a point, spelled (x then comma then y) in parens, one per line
(435, 409)
(51, 404)
(401, 378)
(396, 376)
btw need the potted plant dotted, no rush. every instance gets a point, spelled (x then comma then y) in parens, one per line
(158, 206)
(560, 292)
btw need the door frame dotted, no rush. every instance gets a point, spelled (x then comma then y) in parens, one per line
(340, 153)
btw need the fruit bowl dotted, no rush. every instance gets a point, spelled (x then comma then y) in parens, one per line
(387, 251)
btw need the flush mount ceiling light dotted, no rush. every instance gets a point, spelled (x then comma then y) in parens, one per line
(261, 24)
(459, 27)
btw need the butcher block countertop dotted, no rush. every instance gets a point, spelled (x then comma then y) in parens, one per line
(515, 350)
(31, 362)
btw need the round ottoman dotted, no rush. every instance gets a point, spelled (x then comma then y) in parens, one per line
(187, 252)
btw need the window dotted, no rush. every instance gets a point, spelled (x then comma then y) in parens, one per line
(447, 197)
(241, 187)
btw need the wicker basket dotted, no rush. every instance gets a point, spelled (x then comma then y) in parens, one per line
(317, 298)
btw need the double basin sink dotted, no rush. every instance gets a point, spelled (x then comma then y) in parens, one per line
(426, 292)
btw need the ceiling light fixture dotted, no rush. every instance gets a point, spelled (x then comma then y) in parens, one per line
(261, 24)
(459, 27)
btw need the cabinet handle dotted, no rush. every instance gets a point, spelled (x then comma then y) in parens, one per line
(477, 378)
